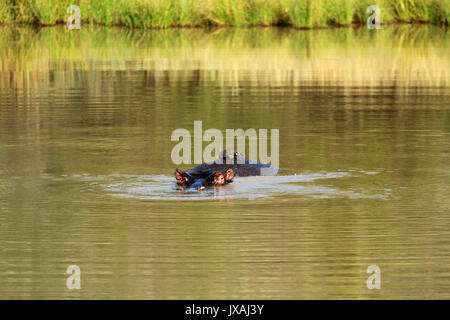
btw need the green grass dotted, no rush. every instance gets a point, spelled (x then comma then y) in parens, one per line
(238, 13)
(243, 13)
(387, 15)
(5, 11)
(340, 12)
(305, 14)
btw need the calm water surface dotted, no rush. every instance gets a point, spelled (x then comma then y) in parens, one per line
(86, 176)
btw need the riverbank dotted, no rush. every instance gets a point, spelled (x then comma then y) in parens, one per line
(237, 13)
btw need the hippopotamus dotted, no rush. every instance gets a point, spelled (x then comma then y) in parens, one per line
(202, 179)
(241, 166)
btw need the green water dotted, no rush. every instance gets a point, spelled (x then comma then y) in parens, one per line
(86, 175)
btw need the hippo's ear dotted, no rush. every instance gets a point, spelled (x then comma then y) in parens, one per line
(229, 175)
(179, 175)
(218, 178)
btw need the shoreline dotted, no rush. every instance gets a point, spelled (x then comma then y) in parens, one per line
(219, 27)
(165, 14)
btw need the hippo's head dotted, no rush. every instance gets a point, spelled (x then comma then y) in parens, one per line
(229, 175)
(221, 179)
(184, 180)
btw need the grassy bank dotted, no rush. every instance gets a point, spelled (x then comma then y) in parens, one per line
(239, 13)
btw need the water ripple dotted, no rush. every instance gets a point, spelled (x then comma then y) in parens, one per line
(162, 187)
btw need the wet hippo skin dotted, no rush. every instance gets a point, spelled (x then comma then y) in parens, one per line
(203, 179)
(241, 166)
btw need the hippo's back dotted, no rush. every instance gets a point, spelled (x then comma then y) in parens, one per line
(242, 167)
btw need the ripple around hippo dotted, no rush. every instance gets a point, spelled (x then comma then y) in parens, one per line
(162, 187)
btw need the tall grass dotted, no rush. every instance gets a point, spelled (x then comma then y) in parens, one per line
(243, 13)
(387, 14)
(5, 11)
(305, 14)
(239, 13)
(440, 12)
(410, 11)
